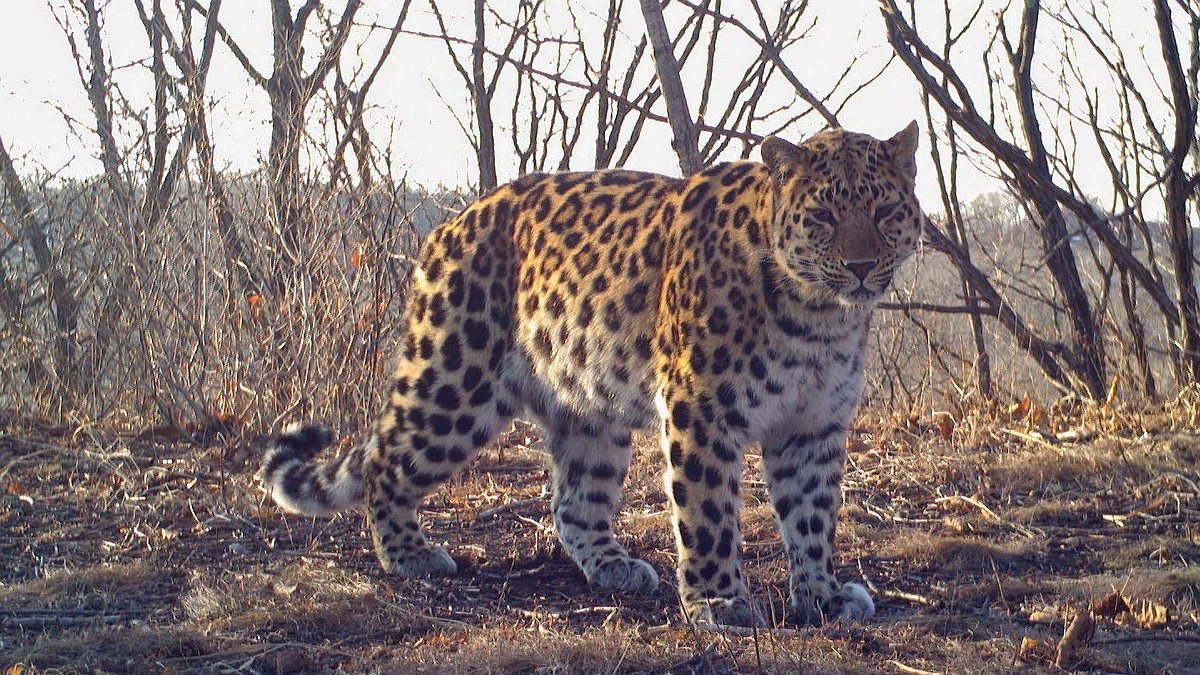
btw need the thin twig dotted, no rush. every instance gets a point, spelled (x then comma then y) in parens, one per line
(1032, 438)
(749, 631)
(909, 669)
(910, 597)
(413, 613)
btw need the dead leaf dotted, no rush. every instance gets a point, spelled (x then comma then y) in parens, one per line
(945, 426)
(1033, 650)
(1110, 606)
(254, 299)
(1037, 416)
(1112, 392)
(1021, 408)
(1044, 617)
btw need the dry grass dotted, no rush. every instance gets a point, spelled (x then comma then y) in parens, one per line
(124, 554)
(959, 554)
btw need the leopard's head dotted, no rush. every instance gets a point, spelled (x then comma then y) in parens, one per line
(846, 216)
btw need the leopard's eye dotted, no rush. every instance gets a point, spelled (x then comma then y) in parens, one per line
(884, 212)
(822, 216)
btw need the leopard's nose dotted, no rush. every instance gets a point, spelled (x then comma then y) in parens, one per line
(860, 268)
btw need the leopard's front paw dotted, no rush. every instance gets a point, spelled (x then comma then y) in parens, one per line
(429, 561)
(625, 575)
(850, 602)
(735, 611)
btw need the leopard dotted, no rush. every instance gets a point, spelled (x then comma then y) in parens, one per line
(726, 310)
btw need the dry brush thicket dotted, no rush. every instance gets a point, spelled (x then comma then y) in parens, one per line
(167, 292)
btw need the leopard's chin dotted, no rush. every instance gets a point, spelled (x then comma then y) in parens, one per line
(860, 297)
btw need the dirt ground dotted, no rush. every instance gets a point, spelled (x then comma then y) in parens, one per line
(992, 545)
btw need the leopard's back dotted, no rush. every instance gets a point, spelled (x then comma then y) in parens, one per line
(587, 281)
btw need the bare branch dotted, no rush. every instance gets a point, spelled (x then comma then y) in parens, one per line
(234, 47)
(772, 52)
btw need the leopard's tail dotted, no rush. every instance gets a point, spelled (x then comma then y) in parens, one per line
(315, 489)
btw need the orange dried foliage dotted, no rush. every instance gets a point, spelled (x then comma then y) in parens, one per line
(255, 302)
(945, 426)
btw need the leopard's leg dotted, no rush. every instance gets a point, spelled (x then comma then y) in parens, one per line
(447, 399)
(589, 463)
(703, 481)
(427, 434)
(804, 474)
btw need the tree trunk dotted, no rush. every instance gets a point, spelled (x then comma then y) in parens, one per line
(1178, 188)
(486, 151)
(957, 232)
(1051, 224)
(685, 140)
(97, 92)
(285, 92)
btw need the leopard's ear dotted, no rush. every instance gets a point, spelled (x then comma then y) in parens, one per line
(782, 157)
(902, 149)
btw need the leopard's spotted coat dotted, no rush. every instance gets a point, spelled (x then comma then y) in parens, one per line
(730, 308)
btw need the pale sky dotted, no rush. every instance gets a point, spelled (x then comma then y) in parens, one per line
(39, 85)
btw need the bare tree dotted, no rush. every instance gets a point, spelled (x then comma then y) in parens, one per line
(481, 87)
(1049, 217)
(193, 87)
(349, 106)
(142, 291)
(1146, 159)
(772, 41)
(290, 90)
(1178, 186)
(946, 172)
(566, 85)
(142, 180)
(1039, 176)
